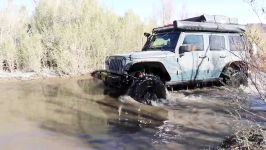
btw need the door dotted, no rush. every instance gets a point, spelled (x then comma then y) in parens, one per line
(193, 61)
(217, 54)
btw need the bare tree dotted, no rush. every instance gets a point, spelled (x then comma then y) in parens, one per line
(167, 10)
(183, 12)
(258, 8)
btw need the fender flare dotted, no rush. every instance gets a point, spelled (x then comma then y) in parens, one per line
(156, 67)
(239, 65)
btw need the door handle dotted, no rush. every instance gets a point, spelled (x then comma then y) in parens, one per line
(222, 56)
(202, 57)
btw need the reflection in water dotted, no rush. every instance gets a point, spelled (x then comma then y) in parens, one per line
(50, 90)
(77, 108)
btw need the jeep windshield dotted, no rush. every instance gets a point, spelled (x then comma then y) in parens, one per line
(162, 42)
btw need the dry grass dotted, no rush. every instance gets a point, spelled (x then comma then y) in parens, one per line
(67, 36)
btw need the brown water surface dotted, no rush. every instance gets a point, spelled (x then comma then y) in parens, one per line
(74, 114)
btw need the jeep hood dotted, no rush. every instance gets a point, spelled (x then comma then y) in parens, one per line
(147, 54)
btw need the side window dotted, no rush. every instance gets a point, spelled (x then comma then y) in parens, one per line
(236, 43)
(217, 42)
(196, 41)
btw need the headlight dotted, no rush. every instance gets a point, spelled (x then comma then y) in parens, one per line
(124, 61)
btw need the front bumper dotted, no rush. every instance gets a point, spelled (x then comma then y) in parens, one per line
(112, 79)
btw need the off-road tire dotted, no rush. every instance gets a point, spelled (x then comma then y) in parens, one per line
(148, 89)
(235, 78)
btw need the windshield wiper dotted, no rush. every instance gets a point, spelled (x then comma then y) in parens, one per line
(154, 48)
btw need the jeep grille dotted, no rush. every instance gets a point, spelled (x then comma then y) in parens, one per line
(116, 64)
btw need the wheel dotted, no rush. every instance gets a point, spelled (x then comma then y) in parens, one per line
(147, 89)
(234, 77)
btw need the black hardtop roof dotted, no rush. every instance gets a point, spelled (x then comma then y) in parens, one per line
(204, 23)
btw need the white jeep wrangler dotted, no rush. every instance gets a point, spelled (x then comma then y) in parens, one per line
(195, 50)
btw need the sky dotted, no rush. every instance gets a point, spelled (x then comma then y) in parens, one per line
(233, 8)
(149, 8)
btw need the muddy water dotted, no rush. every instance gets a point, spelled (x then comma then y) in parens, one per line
(74, 114)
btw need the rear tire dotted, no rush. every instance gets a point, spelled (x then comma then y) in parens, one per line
(235, 78)
(147, 89)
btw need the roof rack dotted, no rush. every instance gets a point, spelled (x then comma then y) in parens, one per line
(213, 19)
(206, 23)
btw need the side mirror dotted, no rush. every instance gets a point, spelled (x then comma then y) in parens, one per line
(147, 35)
(185, 48)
